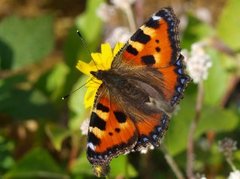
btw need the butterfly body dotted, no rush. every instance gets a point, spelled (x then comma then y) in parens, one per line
(138, 93)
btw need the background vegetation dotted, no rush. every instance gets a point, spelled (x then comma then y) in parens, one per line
(40, 134)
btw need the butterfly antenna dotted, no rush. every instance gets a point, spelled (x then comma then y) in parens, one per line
(66, 96)
(85, 45)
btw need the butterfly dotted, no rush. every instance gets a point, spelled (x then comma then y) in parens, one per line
(139, 92)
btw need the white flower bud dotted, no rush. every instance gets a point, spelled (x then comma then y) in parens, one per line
(122, 4)
(119, 34)
(198, 62)
(234, 175)
(84, 126)
(106, 12)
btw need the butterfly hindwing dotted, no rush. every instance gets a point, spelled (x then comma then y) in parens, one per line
(111, 132)
(151, 130)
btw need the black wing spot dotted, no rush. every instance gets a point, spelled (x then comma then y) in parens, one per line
(148, 59)
(141, 37)
(157, 41)
(152, 23)
(132, 50)
(102, 107)
(158, 49)
(98, 122)
(117, 130)
(120, 116)
(110, 133)
(93, 139)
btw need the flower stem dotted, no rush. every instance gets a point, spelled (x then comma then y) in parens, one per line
(171, 162)
(230, 162)
(193, 126)
(130, 18)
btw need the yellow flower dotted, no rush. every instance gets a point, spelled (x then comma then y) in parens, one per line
(102, 61)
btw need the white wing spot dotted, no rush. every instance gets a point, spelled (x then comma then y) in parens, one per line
(155, 18)
(91, 146)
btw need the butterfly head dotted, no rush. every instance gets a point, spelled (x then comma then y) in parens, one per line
(98, 74)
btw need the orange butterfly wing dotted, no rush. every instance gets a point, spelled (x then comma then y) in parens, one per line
(156, 45)
(111, 132)
(150, 131)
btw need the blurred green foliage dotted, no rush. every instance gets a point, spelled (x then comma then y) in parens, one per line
(53, 147)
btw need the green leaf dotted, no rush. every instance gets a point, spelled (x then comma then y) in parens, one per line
(89, 23)
(6, 158)
(81, 166)
(56, 80)
(121, 167)
(195, 31)
(90, 26)
(228, 25)
(57, 135)
(176, 136)
(36, 164)
(24, 41)
(27, 103)
(217, 120)
(215, 85)
(76, 105)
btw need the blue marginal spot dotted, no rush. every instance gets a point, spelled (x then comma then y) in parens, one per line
(145, 139)
(182, 80)
(179, 63)
(164, 120)
(174, 100)
(159, 129)
(180, 71)
(155, 137)
(179, 89)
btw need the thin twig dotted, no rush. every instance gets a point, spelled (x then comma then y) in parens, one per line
(232, 83)
(190, 145)
(74, 150)
(171, 162)
(131, 20)
(222, 47)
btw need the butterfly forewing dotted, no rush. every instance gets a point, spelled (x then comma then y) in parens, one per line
(155, 43)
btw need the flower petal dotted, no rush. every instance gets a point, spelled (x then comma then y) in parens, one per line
(85, 67)
(89, 97)
(101, 61)
(106, 50)
(97, 57)
(117, 47)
